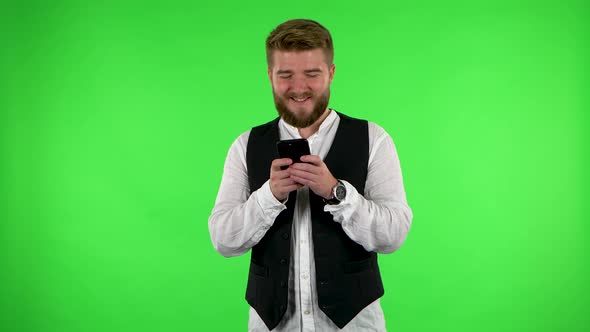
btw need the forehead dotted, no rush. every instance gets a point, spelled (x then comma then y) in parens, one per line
(298, 59)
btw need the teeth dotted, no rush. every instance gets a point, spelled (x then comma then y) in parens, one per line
(299, 99)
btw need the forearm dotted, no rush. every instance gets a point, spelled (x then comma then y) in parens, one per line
(379, 225)
(236, 225)
(240, 219)
(380, 219)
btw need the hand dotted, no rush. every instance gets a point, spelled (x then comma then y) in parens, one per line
(315, 174)
(281, 183)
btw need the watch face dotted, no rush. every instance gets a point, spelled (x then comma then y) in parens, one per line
(340, 192)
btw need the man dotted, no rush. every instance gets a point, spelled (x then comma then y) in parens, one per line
(314, 227)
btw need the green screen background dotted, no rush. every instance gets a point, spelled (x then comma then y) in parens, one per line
(116, 117)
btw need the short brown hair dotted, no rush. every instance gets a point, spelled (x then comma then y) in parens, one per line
(299, 35)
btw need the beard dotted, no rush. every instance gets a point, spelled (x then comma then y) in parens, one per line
(290, 117)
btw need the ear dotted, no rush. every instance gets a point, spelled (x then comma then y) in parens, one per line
(332, 70)
(269, 72)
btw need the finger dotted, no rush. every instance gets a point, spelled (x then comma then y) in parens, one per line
(286, 182)
(302, 174)
(277, 163)
(303, 181)
(279, 175)
(306, 167)
(289, 187)
(312, 159)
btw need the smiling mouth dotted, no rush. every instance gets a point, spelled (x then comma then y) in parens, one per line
(299, 100)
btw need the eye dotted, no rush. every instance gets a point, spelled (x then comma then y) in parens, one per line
(285, 76)
(313, 75)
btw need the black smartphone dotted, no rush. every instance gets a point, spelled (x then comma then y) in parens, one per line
(293, 149)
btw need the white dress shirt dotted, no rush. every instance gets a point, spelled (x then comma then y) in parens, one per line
(379, 221)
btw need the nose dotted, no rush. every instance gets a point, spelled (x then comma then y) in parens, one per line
(299, 85)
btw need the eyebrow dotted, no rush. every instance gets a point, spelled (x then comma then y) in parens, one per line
(307, 71)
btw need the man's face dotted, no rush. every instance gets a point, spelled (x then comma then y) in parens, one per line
(301, 85)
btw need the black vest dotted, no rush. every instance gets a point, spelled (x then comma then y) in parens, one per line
(347, 275)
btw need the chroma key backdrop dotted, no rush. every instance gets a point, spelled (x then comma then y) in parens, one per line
(116, 117)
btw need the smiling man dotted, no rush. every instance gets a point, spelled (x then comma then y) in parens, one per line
(314, 227)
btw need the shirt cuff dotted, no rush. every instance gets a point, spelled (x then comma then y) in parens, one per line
(270, 206)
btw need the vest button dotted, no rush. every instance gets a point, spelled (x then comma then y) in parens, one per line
(323, 283)
(282, 307)
(285, 236)
(283, 284)
(283, 261)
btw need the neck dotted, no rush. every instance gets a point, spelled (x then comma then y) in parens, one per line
(308, 131)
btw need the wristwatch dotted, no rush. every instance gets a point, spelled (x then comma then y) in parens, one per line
(338, 194)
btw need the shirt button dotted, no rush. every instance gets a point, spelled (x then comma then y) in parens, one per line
(285, 236)
(304, 276)
(306, 312)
